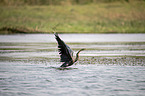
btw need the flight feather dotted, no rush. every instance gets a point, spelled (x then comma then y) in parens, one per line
(65, 52)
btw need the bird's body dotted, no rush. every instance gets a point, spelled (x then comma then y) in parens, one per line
(66, 54)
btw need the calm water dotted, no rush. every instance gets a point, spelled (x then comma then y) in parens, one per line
(112, 65)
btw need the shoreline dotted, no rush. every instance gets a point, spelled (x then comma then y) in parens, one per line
(13, 30)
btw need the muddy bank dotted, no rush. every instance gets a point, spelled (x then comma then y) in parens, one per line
(14, 30)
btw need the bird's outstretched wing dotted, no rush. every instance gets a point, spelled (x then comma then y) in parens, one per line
(65, 52)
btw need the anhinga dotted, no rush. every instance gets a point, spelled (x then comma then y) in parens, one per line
(66, 54)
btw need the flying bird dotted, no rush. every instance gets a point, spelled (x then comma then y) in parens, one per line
(66, 54)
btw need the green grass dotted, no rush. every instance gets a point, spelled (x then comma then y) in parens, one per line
(92, 18)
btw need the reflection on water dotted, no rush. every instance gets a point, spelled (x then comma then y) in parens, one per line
(61, 68)
(113, 64)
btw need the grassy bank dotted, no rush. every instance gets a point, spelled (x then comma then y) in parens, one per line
(114, 17)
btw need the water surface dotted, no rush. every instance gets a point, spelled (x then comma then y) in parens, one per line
(112, 65)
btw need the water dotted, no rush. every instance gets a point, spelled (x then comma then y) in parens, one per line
(111, 65)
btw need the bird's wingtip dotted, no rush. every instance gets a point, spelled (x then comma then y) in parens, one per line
(56, 34)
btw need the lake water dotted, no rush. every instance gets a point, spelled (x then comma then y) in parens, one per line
(111, 65)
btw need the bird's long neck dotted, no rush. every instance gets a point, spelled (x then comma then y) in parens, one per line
(77, 55)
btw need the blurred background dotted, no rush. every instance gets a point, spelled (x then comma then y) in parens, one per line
(72, 16)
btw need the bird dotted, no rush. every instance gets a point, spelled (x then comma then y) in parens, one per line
(66, 54)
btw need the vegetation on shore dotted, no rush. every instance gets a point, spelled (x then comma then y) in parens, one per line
(57, 2)
(114, 17)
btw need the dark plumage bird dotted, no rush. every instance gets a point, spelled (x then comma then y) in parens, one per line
(66, 54)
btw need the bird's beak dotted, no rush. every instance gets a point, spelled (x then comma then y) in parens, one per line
(83, 49)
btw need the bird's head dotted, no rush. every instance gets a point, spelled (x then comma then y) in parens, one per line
(82, 49)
